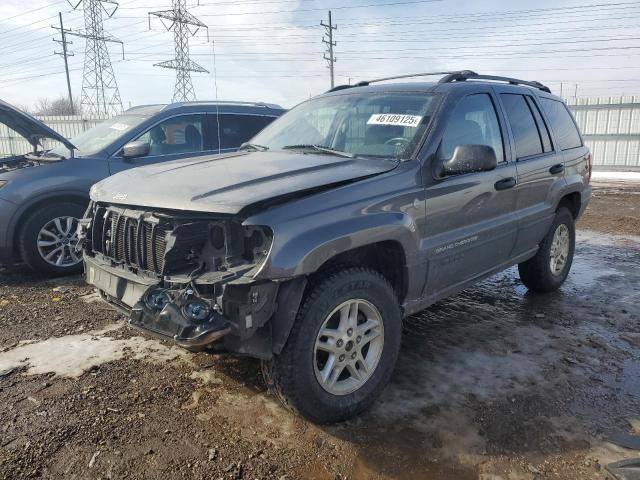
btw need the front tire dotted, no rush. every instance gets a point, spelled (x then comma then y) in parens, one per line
(342, 349)
(48, 238)
(548, 269)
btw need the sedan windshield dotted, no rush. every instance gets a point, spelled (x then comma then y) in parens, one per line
(96, 138)
(388, 125)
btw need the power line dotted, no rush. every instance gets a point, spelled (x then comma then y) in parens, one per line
(328, 55)
(181, 21)
(100, 93)
(65, 54)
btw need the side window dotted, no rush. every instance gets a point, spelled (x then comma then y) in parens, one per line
(523, 125)
(473, 122)
(237, 129)
(543, 130)
(181, 134)
(563, 125)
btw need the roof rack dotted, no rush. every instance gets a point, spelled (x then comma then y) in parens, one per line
(222, 102)
(455, 76)
(427, 74)
(364, 83)
(469, 75)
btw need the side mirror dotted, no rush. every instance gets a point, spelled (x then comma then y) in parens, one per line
(135, 150)
(468, 159)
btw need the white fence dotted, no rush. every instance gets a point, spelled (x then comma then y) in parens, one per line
(610, 126)
(69, 126)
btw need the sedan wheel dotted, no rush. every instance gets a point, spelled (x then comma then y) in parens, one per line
(57, 242)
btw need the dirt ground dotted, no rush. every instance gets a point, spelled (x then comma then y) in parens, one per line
(493, 384)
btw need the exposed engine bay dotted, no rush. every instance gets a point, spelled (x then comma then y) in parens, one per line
(179, 275)
(16, 162)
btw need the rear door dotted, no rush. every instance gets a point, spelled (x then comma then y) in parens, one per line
(471, 225)
(539, 166)
(179, 136)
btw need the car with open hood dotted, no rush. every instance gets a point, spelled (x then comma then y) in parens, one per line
(43, 193)
(355, 209)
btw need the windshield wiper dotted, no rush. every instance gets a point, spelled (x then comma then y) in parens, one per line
(253, 146)
(319, 148)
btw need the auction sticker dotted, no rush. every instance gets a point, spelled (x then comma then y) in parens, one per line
(119, 126)
(394, 119)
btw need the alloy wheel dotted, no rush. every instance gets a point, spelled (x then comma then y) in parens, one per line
(348, 347)
(57, 242)
(559, 253)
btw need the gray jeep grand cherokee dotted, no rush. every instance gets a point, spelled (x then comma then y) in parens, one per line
(353, 210)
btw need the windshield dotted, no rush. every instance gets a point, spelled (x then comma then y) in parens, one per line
(361, 124)
(98, 137)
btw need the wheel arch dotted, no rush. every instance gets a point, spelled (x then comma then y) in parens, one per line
(17, 222)
(386, 257)
(572, 201)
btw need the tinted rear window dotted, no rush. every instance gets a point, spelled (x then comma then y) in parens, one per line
(523, 126)
(562, 124)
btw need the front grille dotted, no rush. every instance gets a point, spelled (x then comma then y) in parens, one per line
(133, 241)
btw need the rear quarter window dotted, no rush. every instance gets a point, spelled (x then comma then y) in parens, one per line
(562, 124)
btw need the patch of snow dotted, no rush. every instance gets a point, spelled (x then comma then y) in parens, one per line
(72, 355)
(624, 176)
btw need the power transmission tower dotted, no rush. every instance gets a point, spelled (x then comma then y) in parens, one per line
(100, 94)
(65, 54)
(331, 59)
(184, 25)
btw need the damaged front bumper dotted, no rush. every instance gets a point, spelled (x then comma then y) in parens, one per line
(178, 311)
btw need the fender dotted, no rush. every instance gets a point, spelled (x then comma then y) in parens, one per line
(303, 248)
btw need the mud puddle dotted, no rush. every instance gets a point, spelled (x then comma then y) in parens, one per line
(499, 381)
(493, 384)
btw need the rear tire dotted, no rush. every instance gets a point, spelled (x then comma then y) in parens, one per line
(48, 236)
(354, 316)
(548, 269)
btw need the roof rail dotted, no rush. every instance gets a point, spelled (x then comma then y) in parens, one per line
(468, 75)
(410, 75)
(223, 102)
(339, 87)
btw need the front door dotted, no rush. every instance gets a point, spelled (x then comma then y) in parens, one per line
(177, 137)
(471, 224)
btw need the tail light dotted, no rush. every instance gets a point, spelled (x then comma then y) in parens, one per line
(589, 167)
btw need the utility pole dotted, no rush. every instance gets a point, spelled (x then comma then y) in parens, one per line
(65, 54)
(331, 59)
(575, 94)
(184, 25)
(100, 94)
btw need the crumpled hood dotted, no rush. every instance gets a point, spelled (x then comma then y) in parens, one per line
(228, 183)
(29, 127)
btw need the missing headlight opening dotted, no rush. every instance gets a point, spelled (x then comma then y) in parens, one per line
(188, 276)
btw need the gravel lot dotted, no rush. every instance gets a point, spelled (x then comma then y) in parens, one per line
(493, 384)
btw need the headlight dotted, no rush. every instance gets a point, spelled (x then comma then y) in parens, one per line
(3, 183)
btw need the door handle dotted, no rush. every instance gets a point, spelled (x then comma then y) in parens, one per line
(559, 168)
(505, 183)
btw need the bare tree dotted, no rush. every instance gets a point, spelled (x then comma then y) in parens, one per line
(58, 106)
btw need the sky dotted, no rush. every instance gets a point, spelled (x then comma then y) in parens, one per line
(272, 50)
